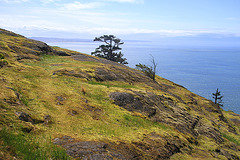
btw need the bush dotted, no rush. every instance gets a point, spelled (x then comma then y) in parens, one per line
(3, 62)
(147, 70)
(1, 56)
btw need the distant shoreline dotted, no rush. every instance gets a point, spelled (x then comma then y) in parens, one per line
(53, 39)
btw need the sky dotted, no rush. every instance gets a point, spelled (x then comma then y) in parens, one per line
(126, 18)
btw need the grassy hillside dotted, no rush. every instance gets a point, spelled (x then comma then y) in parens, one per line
(61, 104)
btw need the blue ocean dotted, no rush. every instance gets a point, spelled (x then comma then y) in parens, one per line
(200, 69)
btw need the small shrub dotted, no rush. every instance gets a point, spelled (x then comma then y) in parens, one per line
(83, 90)
(147, 70)
(3, 62)
(1, 56)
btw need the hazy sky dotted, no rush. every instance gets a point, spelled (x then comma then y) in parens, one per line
(120, 17)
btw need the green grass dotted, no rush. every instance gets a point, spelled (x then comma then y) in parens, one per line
(121, 126)
(112, 84)
(4, 46)
(231, 139)
(98, 96)
(22, 96)
(28, 148)
(138, 122)
(99, 83)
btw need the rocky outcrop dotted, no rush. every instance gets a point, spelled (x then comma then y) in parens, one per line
(73, 73)
(23, 48)
(126, 74)
(3, 31)
(160, 108)
(160, 147)
(88, 150)
(131, 103)
(24, 117)
(153, 146)
(39, 47)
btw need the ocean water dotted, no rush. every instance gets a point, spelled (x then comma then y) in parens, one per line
(200, 69)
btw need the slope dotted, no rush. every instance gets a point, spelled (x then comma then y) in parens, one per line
(60, 104)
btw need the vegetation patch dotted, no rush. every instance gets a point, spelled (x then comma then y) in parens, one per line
(27, 147)
(109, 84)
(235, 140)
(3, 61)
(1, 56)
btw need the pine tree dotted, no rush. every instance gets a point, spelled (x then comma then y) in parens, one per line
(217, 98)
(110, 50)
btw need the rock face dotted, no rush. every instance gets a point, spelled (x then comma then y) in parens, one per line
(41, 47)
(23, 48)
(30, 49)
(154, 145)
(88, 150)
(24, 117)
(3, 31)
(164, 109)
(160, 147)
